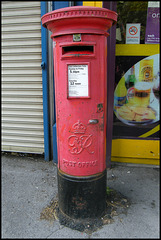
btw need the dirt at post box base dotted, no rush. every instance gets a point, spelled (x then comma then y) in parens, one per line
(116, 204)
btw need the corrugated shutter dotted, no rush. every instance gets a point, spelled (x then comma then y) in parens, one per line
(22, 100)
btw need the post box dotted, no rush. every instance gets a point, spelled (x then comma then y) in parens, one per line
(80, 71)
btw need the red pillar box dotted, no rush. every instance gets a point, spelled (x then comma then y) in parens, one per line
(80, 53)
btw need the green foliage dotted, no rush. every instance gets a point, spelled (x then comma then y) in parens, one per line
(108, 190)
(132, 12)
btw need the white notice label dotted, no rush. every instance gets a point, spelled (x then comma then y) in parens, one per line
(78, 80)
(133, 33)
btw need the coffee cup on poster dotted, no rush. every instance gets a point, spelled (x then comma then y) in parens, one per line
(142, 92)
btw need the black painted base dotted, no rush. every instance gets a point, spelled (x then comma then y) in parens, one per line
(82, 197)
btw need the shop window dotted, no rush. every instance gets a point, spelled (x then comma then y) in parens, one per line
(131, 12)
(137, 73)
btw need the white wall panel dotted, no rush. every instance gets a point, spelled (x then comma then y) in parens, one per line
(21, 77)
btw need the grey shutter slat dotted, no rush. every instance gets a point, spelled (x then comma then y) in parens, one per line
(21, 74)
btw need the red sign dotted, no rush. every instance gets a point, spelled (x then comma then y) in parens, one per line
(133, 30)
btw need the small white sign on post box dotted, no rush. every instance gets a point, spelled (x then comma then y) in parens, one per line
(78, 80)
(133, 33)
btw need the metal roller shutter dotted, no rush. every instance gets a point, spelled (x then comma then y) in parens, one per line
(22, 100)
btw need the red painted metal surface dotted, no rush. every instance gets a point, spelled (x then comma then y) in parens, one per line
(80, 86)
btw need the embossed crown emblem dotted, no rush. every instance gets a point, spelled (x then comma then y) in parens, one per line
(78, 127)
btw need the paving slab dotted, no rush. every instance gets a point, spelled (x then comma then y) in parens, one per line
(28, 184)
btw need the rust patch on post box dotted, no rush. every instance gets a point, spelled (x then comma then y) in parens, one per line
(99, 107)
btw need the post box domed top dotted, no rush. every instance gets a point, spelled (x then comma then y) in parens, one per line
(79, 19)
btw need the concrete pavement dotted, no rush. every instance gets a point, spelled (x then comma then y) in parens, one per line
(28, 184)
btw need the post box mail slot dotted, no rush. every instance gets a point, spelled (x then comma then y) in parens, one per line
(76, 49)
(81, 49)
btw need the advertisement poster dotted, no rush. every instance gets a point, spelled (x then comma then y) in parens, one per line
(133, 33)
(153, 23)
(137, 97)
